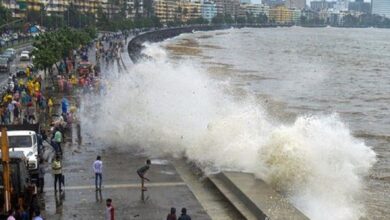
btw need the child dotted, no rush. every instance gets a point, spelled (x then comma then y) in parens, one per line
(109, 210)
(141, 173)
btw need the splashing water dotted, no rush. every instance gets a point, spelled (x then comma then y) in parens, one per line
(177, 109)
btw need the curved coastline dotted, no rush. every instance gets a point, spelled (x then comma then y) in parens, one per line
(135, 44)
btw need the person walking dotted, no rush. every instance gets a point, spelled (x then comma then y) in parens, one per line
(41, 175)
(109, 210)
(98, 169)
(141, 173)
(184, 215)
(58, 140)
(172, 214)
(57, 171)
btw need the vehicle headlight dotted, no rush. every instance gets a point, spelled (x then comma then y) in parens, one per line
(30, 154)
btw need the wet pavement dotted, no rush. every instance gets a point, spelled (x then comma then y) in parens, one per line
(120, 183)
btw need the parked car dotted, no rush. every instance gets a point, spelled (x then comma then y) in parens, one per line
(4, 65)
(11, 53)
(25, 55)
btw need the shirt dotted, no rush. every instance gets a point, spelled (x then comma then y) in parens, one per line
(97, 166)
(56, 167)
(110, 213)
(143, 169)
(58, 137)
(38, 218)
(11, 218)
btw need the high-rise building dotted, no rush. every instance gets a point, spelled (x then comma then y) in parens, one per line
(321, 5)
(297, 4)
(360, 6)
(245, 1)
(381, 7)
(209, 10)
(166, 10)
(273, 3)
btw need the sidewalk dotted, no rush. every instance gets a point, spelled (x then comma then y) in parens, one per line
(122, 184)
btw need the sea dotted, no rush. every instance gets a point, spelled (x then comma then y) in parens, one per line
(305, 109)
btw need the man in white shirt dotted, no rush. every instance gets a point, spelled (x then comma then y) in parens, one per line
(98, 169)
(37, 215)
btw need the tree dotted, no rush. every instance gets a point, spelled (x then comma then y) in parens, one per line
(5, 15)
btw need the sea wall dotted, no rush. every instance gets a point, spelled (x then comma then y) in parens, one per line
(135, 44)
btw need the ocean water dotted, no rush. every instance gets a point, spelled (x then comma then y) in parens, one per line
(307, 110)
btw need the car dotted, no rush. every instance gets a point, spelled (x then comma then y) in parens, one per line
(4, 65)
(26, 142)
(11, 53)
(25, 55)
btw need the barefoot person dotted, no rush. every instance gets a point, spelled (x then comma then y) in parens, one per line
(141, 173)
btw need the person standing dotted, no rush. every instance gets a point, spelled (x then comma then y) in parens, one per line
(172, 215)
(109, 210)
(141, 173)
(184, 215)
(98, 169)
(37, 215)
(57, 171)
(58, 140)
(41, 175)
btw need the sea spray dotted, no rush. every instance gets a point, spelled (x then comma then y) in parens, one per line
(176, 109)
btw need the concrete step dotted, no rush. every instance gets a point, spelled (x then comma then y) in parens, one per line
(260, 198)
(230, 196)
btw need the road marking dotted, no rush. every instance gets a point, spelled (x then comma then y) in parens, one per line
(121, 186)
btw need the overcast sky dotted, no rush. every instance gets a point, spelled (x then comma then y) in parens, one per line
(307, 1)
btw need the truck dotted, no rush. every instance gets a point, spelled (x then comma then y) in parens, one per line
(24, 138)
(16, 187)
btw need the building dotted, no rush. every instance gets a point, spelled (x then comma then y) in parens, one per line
(19, 8)
(381, 7)
(341, 5)
(273, 3)
(228, 7)
(166, 10)
(281, 15)
(360, 6)
(188, 10)
(245, 1)
(208, 10)
(321, 5)
(253, 9)
(298, 4)
(134, 8)
(296, 15)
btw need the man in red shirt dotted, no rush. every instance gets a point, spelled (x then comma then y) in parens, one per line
(109, 210)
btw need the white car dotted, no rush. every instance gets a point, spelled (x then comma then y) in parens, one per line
(26, 142)
(25, 55)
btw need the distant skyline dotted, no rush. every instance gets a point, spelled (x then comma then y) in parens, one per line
(307, 1)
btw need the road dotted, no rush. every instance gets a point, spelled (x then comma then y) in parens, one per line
(14, 64)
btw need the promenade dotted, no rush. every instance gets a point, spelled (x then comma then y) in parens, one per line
(121, 183)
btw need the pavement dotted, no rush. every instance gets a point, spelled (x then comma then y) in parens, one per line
(120, 183)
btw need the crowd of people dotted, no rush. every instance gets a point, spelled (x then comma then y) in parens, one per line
(26, 100)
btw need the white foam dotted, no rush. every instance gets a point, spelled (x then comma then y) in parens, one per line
(177, 109)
